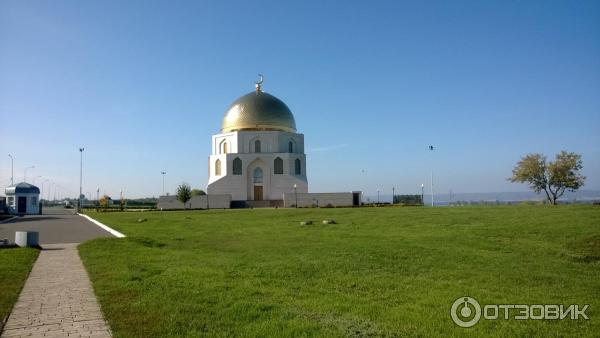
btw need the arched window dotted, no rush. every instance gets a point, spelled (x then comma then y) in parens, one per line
(290, 147)
(257, 146)
(278, 165)
(218, 168)
(298, 166)
(237, 166)
(223, 147)
(258, 175)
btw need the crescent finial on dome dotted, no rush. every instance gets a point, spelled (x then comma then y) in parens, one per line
(258, 84)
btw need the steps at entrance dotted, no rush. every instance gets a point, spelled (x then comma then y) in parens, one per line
(257, 204)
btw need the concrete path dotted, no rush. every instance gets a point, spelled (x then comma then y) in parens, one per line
(57, 299)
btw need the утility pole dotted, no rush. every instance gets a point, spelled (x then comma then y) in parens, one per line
(432, 204)
(431, 147)
(80, 177)
(12, 170)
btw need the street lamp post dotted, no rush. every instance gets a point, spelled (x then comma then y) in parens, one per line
(25, 173)
(12, 171)
(97, 198)
(80, 177)
(431, 148)
(432, 203)
(42, 194)
(163, 176)
(393, 192)
(296, 193)
(422, 194)
(377, 196)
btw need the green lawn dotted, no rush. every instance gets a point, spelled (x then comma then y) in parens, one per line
(15, 265)
(378, 272)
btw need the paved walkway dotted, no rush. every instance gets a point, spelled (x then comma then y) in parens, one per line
(57, 299)
(54, 226)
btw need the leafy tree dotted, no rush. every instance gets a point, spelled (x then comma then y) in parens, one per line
(407, 199)
(104, 201)
(184, 193)
(198, 192)
(554, 178)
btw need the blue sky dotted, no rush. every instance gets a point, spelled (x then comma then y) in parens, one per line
(143, 85)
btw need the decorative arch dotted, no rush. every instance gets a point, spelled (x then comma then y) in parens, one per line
(237, 166)
(290, 147)
(223, 147)
(278, 166)
(258, 182)
(218, 168)
(298, 167)
(257, 176)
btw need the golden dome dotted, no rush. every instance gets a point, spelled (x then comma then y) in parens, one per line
(258, 111)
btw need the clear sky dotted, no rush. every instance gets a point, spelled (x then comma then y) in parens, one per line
(143, 85)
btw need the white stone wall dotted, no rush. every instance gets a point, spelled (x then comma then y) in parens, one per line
(196, 202)
(274, 144)
(335, 199)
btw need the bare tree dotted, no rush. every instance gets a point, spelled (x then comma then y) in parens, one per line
(554, 178)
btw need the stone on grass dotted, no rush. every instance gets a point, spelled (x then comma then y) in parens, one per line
(329, 221)
(306, 223)
(140, 220)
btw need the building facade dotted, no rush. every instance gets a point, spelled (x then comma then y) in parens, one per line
(258, 154)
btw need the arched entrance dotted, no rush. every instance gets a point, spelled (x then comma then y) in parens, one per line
(258, 180)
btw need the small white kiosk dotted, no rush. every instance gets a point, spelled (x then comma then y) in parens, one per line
(23, 199)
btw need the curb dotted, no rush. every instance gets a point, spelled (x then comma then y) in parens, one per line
(9, 219)
(103, 226)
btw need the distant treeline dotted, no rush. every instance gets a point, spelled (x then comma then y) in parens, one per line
(408, 199)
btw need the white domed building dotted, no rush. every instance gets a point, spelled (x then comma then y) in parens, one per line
(258, 155)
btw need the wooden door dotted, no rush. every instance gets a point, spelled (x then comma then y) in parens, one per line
(258, 192)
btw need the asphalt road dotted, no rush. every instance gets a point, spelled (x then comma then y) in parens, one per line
(54, 226)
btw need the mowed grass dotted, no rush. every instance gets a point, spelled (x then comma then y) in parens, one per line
(378, 272)
(15, 264)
